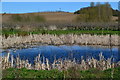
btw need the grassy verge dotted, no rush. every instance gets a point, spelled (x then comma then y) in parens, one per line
(58, 32)
(70, 73)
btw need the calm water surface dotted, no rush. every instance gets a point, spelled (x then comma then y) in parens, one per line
(64, 52)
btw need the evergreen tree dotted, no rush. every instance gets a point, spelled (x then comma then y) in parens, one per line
(98, 4)
(108, 11)
(92, 4)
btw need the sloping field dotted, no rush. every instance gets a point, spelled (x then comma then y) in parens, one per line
(51, 20)
(59, 16)
(49, 16)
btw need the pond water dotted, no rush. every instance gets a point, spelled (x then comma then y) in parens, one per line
(64, 52)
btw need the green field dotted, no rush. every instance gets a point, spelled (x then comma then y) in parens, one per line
(58, 32)
(70, 73)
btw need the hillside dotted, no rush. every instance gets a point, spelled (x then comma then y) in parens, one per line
(46, 20)
(98, 13)
(48, 16)
(51, 16)
(115, 12)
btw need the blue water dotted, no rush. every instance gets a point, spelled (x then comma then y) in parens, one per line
(65, 52)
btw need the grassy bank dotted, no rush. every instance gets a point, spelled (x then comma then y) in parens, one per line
(58, 32)
(71, 73)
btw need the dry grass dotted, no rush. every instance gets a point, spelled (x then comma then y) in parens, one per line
(84, 39)
(59, 64)
(50, 16)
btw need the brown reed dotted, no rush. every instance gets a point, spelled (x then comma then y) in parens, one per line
(59, 64)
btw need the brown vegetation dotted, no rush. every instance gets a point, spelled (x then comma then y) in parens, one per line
(83, 39)
(59, 64)
(49, 16)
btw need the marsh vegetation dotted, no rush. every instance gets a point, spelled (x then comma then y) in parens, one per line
(89, 68)
(94, 25)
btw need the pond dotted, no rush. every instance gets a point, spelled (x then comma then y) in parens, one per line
(64, 52)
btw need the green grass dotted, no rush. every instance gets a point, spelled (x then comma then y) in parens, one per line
(58, 32)
(70, 73)
(24, 73)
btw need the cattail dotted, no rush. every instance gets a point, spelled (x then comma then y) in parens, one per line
(94, 62)
(47, 64)
(17, 62)
(108, 63)
(26, 64)
(23, 63)
(43, 64)
(59, 64)
(53, 65)
(29, 66)
(7, 58)
(83, 64)
(103, 64)
(100, 55)
(12, 60)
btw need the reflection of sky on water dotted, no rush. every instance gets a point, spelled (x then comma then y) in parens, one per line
(69, 52)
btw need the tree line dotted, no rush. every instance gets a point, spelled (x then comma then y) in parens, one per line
(95, 13)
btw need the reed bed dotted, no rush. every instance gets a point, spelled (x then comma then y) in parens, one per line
(82, 39)
(60, 64)
(63, 25)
